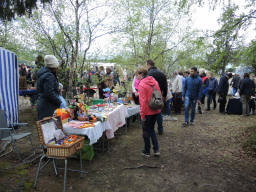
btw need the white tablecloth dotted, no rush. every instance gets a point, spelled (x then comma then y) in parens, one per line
(116, 119)
(132, 110)
(93, 133)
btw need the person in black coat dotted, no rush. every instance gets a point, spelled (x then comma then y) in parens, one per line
(247, 88)
(47, 88)
(160, 77)
(223, 91)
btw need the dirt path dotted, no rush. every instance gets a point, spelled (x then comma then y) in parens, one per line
(204, 157)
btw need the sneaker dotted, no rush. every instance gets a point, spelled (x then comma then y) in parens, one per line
(143, 152)
(160, 133)
(191, 123)
(207, 109)
(185, 124)
(166, 118)
(157, 153)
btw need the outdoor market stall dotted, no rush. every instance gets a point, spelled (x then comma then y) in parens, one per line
(93, 133)
(115, 118)
(9, 85)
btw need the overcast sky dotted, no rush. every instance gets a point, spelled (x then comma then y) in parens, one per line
(206, 19)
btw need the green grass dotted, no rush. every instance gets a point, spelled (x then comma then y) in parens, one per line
(249, 144)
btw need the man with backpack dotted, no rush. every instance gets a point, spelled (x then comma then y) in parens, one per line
(160, 77)
(192, 93)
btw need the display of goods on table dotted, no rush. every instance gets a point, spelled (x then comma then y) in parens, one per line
(99, 112)
(51, 135)
(102, 109)
(130, 105)
(79, 124)
(78, 109)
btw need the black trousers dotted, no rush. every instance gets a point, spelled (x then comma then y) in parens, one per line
(202, 99)
(177, 102)
(211, 96)
(223, 103)
(251, 105)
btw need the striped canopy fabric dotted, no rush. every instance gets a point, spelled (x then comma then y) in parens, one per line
(9, 85)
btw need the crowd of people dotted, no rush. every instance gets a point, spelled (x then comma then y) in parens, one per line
(190, 88)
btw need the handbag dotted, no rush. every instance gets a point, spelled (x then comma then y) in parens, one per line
(220, 99)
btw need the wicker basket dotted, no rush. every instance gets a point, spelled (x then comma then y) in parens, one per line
(58, 150)
(66, 150)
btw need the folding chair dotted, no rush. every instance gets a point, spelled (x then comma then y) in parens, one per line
(10, 134)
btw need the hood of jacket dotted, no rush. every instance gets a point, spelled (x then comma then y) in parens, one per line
(149, 80)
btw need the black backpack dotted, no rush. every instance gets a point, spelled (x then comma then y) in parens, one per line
(156, 101)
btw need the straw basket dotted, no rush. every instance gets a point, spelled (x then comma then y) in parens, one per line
(66, 150)
(58, 150)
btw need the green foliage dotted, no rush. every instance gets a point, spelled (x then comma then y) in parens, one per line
(225, 44)
(17, 44)
(145, 30)
(249, 56)
(10, 8)
(151, 31)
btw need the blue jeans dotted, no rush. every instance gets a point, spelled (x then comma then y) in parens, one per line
(159, 120)
(234, 90)
(190, 103)
(33, 99)
(149, 132)
(167, 108)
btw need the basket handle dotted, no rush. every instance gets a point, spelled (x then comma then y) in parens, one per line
(78, 146)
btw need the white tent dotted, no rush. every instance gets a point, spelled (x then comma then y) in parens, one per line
(9, 84)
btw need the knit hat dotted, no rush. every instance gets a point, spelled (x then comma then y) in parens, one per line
(201, 70)
(60, 86)
(51, 61)
(229, 75)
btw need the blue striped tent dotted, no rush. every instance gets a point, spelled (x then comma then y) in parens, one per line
(9, 84)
